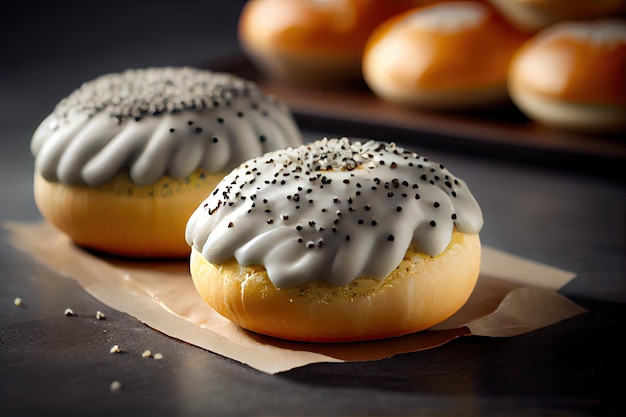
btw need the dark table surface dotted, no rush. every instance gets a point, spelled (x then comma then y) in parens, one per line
(569, 217)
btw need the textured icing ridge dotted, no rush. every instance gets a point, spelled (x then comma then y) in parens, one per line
(159, 121)
(332, 210)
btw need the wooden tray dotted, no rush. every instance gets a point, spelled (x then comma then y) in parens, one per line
(503, 133)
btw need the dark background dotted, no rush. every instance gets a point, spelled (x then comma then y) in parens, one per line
(573, 219)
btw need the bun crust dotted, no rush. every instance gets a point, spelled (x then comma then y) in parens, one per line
(337, 241)
(447, 56)
(421, 292)
(122, 218)
(313, 43)
(533, 15)
(573, 76)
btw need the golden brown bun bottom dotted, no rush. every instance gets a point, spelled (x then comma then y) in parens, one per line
(569, 116)
(121, 218)
(421, 292)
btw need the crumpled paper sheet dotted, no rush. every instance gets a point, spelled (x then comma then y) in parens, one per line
(513, 296)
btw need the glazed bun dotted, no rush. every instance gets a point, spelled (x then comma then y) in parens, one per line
(337, 241)
(533, 15)
(447, 56)
(122, 162)
(313, 42)
(572, 76)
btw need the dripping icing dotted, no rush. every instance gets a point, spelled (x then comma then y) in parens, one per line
(334, 209)
(158, 121)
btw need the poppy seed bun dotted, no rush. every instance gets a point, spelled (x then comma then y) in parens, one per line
(335, 241)
(124, 159)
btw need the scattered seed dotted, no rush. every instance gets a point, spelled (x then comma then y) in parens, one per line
(116, 386)
(115, 349)
(146, 354)
(158, 356)
(100, 315)
(69, 312)
(17, 301)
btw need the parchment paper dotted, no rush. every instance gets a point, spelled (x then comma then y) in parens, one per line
(513, 296)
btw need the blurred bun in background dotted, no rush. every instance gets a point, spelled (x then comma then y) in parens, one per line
(533, 15)
(447, 56)
(572, 76)
(313, 42)
(560, 62)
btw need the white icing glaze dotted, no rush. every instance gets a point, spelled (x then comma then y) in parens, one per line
(159, 121)
(332, 210)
